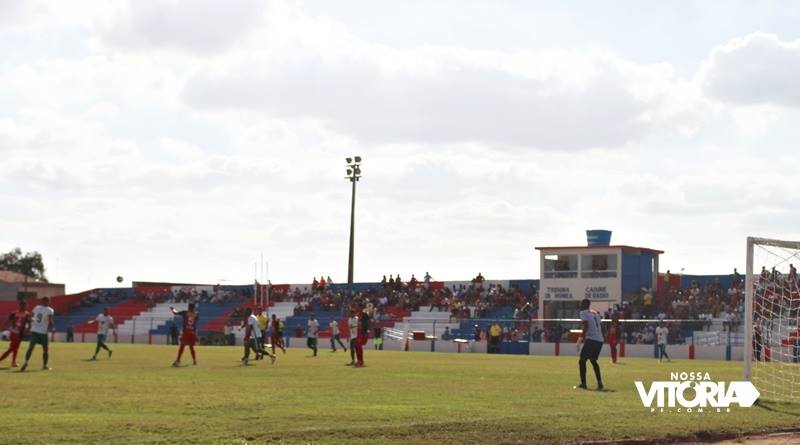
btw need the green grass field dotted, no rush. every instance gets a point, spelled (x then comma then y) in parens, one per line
(400, 397)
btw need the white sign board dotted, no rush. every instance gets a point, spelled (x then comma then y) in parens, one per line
(576, 289)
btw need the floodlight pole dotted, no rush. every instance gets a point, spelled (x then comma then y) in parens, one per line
(352, 232)
(353, 175)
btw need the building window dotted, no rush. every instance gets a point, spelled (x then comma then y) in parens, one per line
(560, 266)
(599, 266)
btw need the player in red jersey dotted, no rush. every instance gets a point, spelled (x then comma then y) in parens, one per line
(189, 335)
(613, 338)
(362, 336)
(18, 323)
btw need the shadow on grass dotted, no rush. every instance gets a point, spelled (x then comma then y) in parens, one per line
(788, 408)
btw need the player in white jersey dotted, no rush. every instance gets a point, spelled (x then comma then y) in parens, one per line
(311, 333)
(252, 338)
(662, 332)
(592, 339)
(42, 324)
(104, 323)
(335, 337)
(352, 326)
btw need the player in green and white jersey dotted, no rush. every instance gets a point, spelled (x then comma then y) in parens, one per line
(42, 324)
(104, 323)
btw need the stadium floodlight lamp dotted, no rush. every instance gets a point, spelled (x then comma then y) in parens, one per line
(358, 159)
(357, 170)
(349, 172)
(349, 160)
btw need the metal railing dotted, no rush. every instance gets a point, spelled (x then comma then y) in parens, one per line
(568, 329)
(158, 330)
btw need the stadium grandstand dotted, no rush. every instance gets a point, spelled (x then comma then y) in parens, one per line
(709, 308)
(521, 316)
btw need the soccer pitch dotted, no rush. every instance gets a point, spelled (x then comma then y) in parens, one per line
(400, 397)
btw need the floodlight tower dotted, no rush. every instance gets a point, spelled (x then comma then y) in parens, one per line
(353, 175)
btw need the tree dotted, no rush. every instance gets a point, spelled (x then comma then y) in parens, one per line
(29, 264)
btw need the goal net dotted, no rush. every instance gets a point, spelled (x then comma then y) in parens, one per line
(772, 306)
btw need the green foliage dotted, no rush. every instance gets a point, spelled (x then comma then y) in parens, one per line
(29, 264)
(400, 397)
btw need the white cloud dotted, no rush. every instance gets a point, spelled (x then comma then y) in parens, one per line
(544, 100)
(191, 25)
(757, 69)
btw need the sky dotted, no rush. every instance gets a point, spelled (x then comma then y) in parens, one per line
(181, 140)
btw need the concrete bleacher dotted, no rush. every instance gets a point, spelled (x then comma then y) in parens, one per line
(80, 316)
(433, 323)
(217, 320)
(209, 313)
(122, 311)
(282, 310)
(324, 319)
(150, 319)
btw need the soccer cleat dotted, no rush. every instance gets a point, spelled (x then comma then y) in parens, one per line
(176, 363)
(24, 367)
(194, 363)
(14, 365)
(350, 364)
(245, 362)
(109, 353)
(600, 387)
(581, 386)
(46, 368)
(93, 359)
(273, 357)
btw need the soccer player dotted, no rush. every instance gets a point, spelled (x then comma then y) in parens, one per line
(352, 325)
(43, 323)
(592, 339)
(661, 334)
(363, 335)
(377, 338)
(313, 330)
(277, 334)
(263, 321)
(252, 338)
(189, 335)
(335, 336)
(613, 335)
(104, 323)
(18, 323)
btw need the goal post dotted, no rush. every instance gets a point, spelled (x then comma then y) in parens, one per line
(748, 312)
(772, 317)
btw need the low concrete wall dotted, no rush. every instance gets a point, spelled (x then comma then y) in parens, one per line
(679, 352)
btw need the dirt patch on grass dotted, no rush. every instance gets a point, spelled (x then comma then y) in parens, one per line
(769, 439)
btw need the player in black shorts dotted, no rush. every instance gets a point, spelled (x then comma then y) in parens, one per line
(592, 338)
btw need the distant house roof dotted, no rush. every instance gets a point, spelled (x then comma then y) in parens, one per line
(628, 248)
(13, 277)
